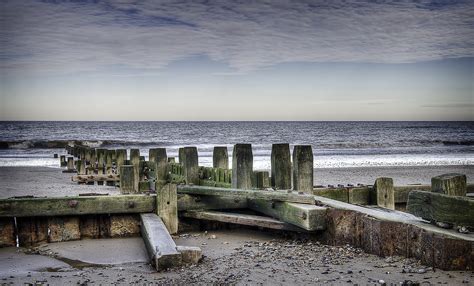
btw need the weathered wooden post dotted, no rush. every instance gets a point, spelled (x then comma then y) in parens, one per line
(220, 157)
(109, 163)
(303, 168)
(81, 167)
(70, 164)
(449, 184)
(93, 161)
(120, 157)
(135, 160)
(262, 179)
(87, 155)
(128, 181)
(242, 166)
(281, 166)
(167, 206)
(384, 192)
(100, 163)
(62, 161)
(190, 165)
(147, 176)
(159, 156)
(181, 155)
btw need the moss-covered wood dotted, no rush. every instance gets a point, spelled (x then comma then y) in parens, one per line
(308, 217)
(195, 202)
(340, 194)
(450, 184)
(249, 194)
(35, 207)
(441, 208)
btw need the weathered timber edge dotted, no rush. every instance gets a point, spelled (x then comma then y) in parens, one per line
(442, 208)
(249, 194)
(388, 232)
(33, 207)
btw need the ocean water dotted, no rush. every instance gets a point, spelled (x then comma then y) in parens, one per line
(335, 144)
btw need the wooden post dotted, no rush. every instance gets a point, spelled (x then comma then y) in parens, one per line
(100, 161)
(281, 166)
(70, 163)
(81, 167)
(171, 160)
(120, 157)
(303, 168)
(135, 160)
(384, 192)
(262, 179)
(62, 161)
(190, 165)
(242, 166)
(450, 184)
(128, 182)
(92, 162)
(181, 155)
(220, 158)
(159, 156)
(167, 206)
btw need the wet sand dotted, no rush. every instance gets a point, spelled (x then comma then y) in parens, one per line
(236, 257)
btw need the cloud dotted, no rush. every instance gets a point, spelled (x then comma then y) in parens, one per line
(65, 37)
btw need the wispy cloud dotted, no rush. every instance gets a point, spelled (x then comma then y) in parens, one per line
(61, 37)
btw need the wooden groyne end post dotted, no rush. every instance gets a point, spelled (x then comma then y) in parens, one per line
(242, 166)
(303, 174)
(281, 166)
(384, 193)
(220, 157)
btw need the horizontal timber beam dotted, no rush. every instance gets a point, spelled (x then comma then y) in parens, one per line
(242, 219)
(195, 202)
(248, 194)
(80, 205)
(95, 178)
(442, 208)
(308, 217)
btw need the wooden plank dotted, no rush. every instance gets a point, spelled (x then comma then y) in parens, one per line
(242, 219)
(160, 246)
(308, 217)
(441, 208)
(32, 207)
(95, 178)
(194, 202)
(401, 192)
(249, 194)
(167, 207)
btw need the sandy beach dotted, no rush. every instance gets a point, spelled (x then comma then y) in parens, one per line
(231, 256)
(43, 181)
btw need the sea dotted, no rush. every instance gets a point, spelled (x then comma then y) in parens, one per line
(335, 144)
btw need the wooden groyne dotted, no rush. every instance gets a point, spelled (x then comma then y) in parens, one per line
(433, 227)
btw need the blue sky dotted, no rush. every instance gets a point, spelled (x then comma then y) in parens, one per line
(218, 60)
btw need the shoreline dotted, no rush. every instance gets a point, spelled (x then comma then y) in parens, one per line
(46, 181)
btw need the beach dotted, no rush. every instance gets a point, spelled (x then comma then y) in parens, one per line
(43, 181)
(239, 256)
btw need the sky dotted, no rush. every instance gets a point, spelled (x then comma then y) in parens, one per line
(237, 60)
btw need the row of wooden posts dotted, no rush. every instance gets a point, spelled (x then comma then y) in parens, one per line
(285, 173)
